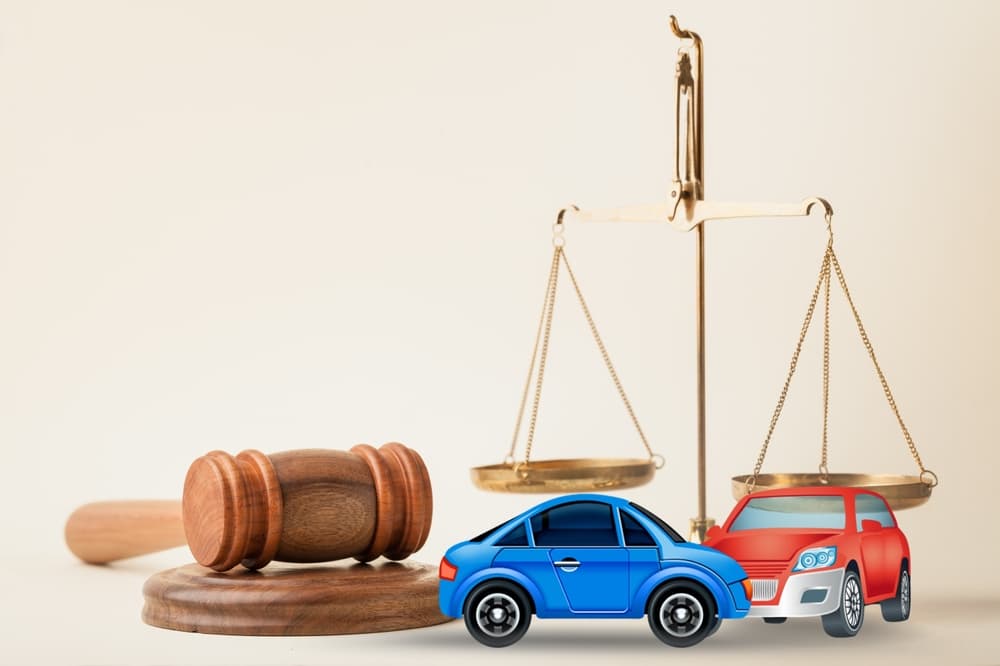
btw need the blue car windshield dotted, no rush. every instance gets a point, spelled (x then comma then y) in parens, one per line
(670, 532)
(796, 511)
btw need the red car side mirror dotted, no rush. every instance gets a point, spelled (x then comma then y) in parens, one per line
(713, 532)
(871, 526)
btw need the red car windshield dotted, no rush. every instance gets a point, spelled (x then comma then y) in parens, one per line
(819, 512)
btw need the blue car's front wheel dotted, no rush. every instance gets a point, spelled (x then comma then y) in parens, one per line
(682, 613)
(497, 613)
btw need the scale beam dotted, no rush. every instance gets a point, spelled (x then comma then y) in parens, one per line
(696, 212)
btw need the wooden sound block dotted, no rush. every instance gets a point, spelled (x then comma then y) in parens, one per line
(291, 600)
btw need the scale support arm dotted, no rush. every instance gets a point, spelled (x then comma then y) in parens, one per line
(688, 215)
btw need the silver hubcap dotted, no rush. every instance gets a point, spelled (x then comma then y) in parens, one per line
(904, 593)
(681, 614)
(497, 614)
(852, 603)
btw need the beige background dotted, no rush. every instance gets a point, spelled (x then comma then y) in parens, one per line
(280, 225)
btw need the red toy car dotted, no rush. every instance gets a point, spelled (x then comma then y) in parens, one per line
(823, 551)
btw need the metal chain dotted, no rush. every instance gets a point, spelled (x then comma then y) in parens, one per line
(550, 304)
(607, 359)
(824, 273)
(885, 385)
(541, 350)
(534, 357)
(825, 276)
(824, 471)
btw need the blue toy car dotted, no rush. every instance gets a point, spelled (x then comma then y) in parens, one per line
(590, 556)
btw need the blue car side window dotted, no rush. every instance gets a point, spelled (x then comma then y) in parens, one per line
(575, 524)
(635, 534)
(516, 537)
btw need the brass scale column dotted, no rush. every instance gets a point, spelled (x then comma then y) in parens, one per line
(687, 210)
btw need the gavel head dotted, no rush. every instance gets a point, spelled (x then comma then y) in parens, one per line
(310, 505)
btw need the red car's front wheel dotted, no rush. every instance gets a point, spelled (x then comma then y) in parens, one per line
(846, 620)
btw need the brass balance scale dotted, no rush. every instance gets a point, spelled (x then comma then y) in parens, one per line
(687, 210)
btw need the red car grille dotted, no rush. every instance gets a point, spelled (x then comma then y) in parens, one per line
(764, 590)
(764, 568)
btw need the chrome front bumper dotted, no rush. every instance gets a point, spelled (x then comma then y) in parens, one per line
(820, 591)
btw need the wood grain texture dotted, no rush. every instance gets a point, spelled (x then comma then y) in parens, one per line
(329, 505)
(103, 532)
(294, 600)
(233, 509)
(267, 516)
(417, 503)
(307, 505)
(388, 518)
(404, 501)
(310, 505)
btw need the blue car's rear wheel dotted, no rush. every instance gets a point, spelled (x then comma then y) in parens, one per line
(497, 613)
(682, 613)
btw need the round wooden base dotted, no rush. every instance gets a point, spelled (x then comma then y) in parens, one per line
(294, 600)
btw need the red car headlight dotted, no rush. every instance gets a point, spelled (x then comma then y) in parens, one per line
(816, 558)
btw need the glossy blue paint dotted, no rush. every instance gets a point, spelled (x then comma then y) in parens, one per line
(679, 569)
(458, 593)
(589, 556)
(597, 579)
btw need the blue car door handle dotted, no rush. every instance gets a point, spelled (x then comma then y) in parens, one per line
(568, 565)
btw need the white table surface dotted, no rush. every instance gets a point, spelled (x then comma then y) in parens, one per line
(58, 611)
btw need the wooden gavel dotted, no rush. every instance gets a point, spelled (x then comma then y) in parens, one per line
(310, 505)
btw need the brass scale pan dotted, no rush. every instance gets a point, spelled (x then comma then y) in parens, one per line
(567, 475)
(901, 492)
(590, 474)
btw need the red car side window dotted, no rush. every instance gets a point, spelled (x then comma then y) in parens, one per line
(869, 507)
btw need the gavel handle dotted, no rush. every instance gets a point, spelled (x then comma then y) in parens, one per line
(103, 532)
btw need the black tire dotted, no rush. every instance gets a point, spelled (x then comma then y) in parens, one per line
(846, 621)
(897, 609)
(775, 620)
(682, 613)
(497, 613)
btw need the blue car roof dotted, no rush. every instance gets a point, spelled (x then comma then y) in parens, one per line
(577, 497)
(664, 534)
(618, 502)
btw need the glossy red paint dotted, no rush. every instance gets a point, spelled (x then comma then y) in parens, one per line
(878, 552)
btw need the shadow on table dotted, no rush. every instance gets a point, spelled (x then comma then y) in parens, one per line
(619, 637)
